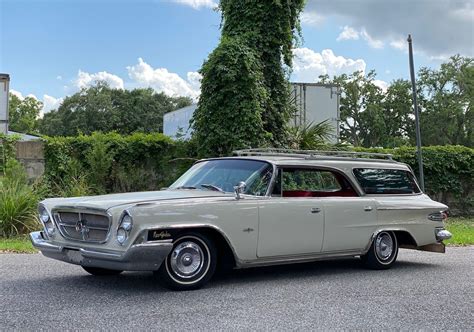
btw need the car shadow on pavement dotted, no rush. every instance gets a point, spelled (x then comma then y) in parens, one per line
(321, 269)
(146, 282)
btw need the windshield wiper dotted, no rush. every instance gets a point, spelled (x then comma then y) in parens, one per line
(185, 187)
(212, 187)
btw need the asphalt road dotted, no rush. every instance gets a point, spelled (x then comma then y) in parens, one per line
(424, 290)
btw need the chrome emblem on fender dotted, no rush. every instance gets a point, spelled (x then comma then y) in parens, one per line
(161, 235)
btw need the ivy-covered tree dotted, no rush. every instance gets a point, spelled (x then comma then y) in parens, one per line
(260, 34)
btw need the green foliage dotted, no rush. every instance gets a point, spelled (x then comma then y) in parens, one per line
(446, 97)
(104, 163)
(23, 114)
(19, 244)
(152, 161)
(99, 160)
(462, 230)
(449, 172)
(231, 103)
(260, 34)
(100, 108)
(18, 201)
(7, 149)
(372, 117)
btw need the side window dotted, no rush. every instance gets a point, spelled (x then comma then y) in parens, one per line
(308, 182)
(386, 181)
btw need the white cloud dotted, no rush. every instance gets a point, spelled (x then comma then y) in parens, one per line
(85, 80)
(50, 103)
(196, 4)
(399, 44)
(59, 77)
(161, 80)
(439, 28)
(374, 43)
(308, 64)
(18, 94)
(312, 19)
(348, 33)
(381, 84)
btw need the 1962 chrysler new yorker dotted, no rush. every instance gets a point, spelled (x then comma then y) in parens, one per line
(261, 207)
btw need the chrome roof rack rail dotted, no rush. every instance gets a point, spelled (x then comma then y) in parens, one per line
(316, 154)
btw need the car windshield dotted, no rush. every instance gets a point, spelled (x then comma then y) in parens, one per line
(223, 174)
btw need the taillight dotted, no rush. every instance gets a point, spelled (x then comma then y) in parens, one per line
(438, 216)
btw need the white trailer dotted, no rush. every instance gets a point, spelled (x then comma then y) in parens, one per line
(316, 103)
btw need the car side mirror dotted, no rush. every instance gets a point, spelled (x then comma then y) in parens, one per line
(239, 189)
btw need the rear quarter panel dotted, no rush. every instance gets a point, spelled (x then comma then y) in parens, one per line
(409, 213)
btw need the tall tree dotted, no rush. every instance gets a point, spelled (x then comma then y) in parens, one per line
(446, 98)
(370, 116)
(23, 114)
(100, 108)
(264, 33)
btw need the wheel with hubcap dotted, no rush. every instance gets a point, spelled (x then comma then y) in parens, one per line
(97, 271)
(382, 253)
(190, 264)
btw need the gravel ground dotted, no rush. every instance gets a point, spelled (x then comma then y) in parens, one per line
(423, 291)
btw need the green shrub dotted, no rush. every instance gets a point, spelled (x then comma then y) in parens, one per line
(105, 163)
(7, 149)
(18, 201)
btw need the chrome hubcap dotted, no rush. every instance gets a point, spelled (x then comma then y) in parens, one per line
(187, 259)
(384, 246)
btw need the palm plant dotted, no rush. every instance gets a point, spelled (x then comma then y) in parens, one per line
(311, 136)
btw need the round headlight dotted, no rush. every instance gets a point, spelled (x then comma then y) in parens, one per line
(121, 235)
(44, 215)
(49, 228)
(127, 223)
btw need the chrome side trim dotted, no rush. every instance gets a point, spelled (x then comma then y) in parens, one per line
(396, 208)
(297, 258)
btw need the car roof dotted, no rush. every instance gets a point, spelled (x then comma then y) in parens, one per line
(333, 162)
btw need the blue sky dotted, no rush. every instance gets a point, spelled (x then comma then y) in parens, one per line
(52, 48)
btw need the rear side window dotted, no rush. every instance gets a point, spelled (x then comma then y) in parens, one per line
(386, 181)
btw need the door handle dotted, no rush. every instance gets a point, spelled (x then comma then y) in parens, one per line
(368, 208)
(315, 210)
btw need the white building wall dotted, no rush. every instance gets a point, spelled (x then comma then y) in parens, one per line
(4, 89)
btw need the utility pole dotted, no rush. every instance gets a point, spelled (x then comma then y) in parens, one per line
(417, 116)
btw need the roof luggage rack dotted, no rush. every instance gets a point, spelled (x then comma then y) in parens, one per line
(316, 154)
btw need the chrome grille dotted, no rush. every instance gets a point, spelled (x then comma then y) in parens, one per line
(82, 226)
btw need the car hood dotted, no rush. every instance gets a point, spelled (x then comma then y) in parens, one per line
(106, 202)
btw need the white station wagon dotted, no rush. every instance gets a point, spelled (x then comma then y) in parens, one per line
(261, 207)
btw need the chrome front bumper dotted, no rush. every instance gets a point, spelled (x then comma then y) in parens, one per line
(146, 256)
